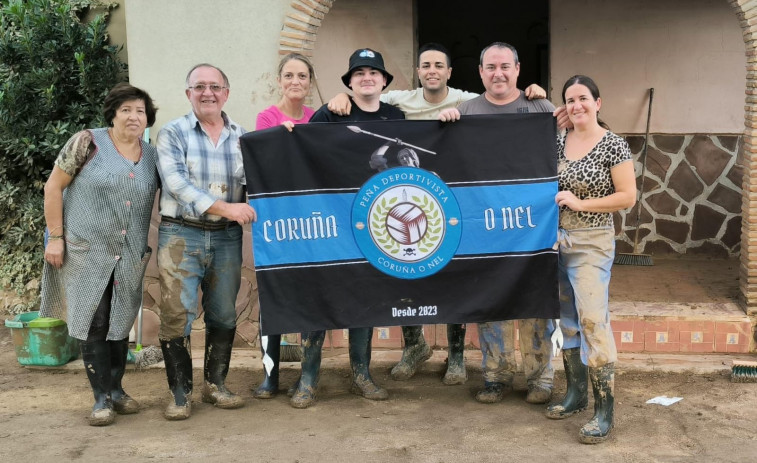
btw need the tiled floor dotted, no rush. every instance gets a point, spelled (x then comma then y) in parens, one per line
(679, 305)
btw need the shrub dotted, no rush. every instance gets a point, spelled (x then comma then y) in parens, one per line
(55, 70)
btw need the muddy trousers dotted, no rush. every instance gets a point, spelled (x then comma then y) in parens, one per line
(497, 340)
(585, 261)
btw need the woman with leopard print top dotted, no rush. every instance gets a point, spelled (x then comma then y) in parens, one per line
(596, 178)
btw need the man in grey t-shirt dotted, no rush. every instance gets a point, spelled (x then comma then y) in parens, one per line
(499, 68)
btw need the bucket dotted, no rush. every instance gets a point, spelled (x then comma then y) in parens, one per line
(42, 341)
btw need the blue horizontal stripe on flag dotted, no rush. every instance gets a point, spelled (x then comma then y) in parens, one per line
(316, 228)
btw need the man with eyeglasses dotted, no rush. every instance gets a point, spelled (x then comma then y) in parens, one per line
(203, 207)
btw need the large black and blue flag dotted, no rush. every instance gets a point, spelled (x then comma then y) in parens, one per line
(404, 222)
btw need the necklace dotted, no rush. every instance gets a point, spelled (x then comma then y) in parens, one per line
(134, 150)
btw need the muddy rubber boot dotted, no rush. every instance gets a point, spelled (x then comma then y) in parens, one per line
(123, 404)
(293, 388)
(270, 386)
(96, 357)
(360, 362)
(415, 352)
(493, 392)
(218, 342)
(603, 384)
(178, 362)
(577, 396)
(456, 373)
(305, 392)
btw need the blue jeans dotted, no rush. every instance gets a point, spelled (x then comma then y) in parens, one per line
(585, 261)
(189, 258)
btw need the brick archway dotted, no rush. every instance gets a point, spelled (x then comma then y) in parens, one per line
(301, 26)
(304, 18)
(746, 11)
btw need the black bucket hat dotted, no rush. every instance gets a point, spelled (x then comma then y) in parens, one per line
(366, 57)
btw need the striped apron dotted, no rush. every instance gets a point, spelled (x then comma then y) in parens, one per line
(106, 219)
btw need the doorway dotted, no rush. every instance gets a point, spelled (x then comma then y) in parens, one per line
(465, 28)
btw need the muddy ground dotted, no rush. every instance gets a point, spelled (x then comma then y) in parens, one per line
(43, 419)
(43, 412)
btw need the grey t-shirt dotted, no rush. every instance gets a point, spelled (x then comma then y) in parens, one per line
(480, 105)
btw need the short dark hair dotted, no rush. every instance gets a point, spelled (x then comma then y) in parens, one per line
(498, 45)
(207, 65)
(433, 46)
(122, 93)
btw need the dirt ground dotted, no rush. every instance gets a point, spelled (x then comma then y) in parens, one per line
(43, 419)
(43, 412)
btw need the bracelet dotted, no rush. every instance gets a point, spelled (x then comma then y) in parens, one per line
(56, 237)
(54, 228)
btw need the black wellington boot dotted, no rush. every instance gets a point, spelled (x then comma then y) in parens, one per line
(576, 397)
(96, 357)
(122, 403)
(603, 384)
(305, 388)
(360, 362)
(456, 373)
(415, 352)
(218, 342)
(270, 386)
(178, 362)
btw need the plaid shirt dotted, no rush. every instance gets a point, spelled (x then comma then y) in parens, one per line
(194, 172)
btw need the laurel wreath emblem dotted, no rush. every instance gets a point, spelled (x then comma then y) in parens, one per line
(434, 220)
(389, 244)
(378, 226)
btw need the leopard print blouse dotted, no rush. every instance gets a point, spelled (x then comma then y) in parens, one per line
(589, 177)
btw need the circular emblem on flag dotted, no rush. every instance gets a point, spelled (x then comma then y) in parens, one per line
(406, 222)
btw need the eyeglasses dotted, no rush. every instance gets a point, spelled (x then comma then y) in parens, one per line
(199, 88)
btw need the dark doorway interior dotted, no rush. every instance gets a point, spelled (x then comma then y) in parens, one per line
(466, 27)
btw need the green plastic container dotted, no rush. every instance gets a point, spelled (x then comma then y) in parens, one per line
(42, 341)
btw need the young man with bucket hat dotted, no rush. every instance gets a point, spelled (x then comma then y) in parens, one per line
(367, 77)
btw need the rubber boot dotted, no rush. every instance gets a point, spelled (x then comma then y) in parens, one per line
(218, 342)
(456, 373)
(122, 403)
(493, 392)
(178, 362)
(576, 397)
(96, 357)
(360, 362)
(270, 386)
(603, 384)
(415, 352)
(305, 392)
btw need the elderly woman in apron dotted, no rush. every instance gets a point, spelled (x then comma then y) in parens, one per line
(98, 202)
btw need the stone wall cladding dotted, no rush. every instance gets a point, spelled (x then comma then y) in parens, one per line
(692, 196)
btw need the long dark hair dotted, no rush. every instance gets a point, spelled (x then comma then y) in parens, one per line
(589, 83)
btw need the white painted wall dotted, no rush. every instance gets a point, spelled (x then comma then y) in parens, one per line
(167, 37)
(691, 51)
(385, 26)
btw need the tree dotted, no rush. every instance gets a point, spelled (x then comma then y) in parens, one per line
(55, 70)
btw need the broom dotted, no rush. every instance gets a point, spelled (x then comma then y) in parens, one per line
(635, 258)
(744, 372)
